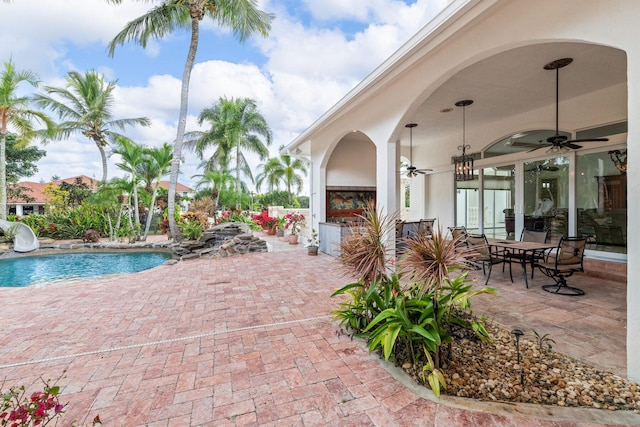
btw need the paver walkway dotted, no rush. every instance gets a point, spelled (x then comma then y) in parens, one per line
(247, 340)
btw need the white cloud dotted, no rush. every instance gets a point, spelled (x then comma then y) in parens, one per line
(305, 70)
(35, 32)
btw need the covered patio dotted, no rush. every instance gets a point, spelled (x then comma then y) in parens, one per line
(539, 75)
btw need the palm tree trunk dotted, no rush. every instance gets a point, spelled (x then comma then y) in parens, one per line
(238, 176)
(111, 238)
(3, 169)
(103, 156)
(151, 209)
(135, 200)
(182, 124)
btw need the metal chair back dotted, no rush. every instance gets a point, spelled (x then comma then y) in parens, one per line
(426, 226)
(534, 236)
(571, 252)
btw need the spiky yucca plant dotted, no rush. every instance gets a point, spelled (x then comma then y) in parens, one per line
(364, 253)
(428, 261)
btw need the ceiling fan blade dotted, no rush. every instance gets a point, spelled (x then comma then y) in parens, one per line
(414, 171)
(542, 145)
(533, 145)
(588, 140)
(571, 145)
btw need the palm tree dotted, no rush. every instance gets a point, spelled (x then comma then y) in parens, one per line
(282, 170)
(236, 126)
(132, 155)
(242, 16)
(216, 180)
(15, 112)
(159, 160)
(85, 106)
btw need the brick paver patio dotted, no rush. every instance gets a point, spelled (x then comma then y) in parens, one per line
(239, 341)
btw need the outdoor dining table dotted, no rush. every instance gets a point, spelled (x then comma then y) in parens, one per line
(527, 250)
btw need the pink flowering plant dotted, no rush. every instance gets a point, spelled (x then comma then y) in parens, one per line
(21, 409)
(294, 222)
(18, 408)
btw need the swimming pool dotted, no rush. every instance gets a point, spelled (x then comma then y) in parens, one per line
(42, 269)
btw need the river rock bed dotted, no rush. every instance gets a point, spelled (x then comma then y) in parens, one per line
(491, 372)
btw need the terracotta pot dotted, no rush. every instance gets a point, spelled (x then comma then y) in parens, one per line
(312, 250)
(272, 231)
(293, 239)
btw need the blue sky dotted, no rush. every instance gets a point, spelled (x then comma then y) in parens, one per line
(316, 52)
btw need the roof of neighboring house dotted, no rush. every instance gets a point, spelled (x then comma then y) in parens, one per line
(36, 189)
(179, 187)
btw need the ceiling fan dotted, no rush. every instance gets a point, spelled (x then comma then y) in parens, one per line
(558, 142)
(411, 169)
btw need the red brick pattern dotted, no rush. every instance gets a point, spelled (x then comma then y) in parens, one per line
(240, 341)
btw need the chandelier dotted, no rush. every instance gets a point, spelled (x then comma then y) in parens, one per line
(464, 163)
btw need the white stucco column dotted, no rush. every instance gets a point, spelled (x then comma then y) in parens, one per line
(633, 208)
(19, 211)
(387, 180)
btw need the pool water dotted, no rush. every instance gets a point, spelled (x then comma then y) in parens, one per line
(41, 269)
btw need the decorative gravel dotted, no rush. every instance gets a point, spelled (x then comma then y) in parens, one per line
(491, 372)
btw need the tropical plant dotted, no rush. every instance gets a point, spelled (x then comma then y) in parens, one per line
(15, 111)
(236, 126)
(415, 319)
(18, 408)
(193, 224)
(77, 191)
(544, 341)
(21, 160)
(282, 170)
(363, 304)
(158, 163)
(217, 181)
(234, 215)
(429, 262)
(242, 16)
(277, 198)
(365, 252)
(313, 240)
(132, 156)
(85, 105)
(294, 221)
(69, 223)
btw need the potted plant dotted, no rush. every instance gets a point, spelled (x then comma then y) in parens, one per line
(313, 243)
(270, 223)
(294, 222)
(280, 227)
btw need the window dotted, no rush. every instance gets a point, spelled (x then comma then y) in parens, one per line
(601, 202)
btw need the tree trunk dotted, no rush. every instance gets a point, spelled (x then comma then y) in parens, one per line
(182, 124)
(103, 156)
(3, 169)
(151, 209)
(135, 200)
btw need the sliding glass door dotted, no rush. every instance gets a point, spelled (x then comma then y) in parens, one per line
(546, 196)
(499, 197)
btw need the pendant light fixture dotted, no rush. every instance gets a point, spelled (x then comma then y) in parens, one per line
(464, 163)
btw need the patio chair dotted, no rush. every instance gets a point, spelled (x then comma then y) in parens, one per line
(459, 234)
(426, 226)
(479, 253)
(568, 259)
(530, 236)
(410, 229)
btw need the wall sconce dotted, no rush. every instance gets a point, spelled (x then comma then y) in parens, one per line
(619, 158)
(464, 164)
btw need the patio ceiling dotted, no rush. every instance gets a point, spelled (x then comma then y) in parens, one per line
(514, 82)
